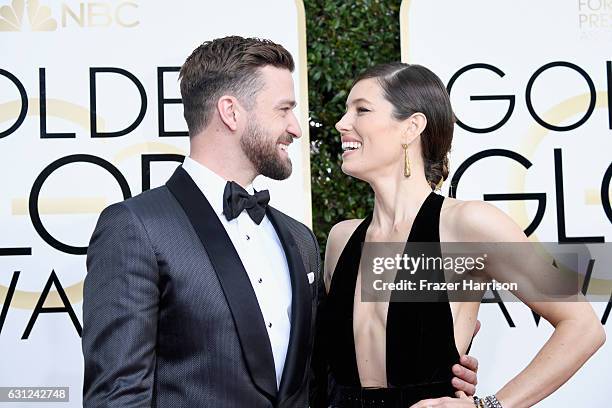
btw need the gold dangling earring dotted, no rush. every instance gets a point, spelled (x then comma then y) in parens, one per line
(406, 161)
(439, 185)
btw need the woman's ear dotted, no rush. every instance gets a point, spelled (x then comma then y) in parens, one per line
(415, 125)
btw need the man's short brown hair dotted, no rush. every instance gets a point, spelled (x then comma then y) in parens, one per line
(226, 66)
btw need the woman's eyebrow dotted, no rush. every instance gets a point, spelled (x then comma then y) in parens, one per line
(356, 101)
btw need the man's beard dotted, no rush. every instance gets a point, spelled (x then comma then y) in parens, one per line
(263, 153)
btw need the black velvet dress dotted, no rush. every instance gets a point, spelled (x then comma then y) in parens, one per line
(420, 344)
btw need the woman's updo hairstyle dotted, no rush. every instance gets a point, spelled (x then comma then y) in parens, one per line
(413, 88)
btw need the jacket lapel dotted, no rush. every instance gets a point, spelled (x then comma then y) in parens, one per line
(233, 278)
(301, 311)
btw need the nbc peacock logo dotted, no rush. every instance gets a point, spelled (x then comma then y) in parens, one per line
(38, 16)
(30, 15)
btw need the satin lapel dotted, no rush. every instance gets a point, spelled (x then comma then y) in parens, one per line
(301, 311)
(233, 278)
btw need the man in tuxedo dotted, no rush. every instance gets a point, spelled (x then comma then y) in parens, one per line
(198, 293)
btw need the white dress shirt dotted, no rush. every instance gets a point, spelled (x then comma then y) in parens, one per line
(263, 257)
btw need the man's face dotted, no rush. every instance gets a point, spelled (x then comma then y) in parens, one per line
(272, 125)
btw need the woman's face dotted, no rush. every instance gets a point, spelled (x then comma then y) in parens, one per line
(371, 136)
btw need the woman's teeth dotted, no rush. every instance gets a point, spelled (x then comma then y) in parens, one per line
(350, 146)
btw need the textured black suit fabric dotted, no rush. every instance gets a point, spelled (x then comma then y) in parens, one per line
(158, 328)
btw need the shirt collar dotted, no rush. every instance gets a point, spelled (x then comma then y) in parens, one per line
(210, 183)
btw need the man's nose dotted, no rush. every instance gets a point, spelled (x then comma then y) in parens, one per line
(294, 128)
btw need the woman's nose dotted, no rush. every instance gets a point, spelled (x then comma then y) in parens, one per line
(342, 125)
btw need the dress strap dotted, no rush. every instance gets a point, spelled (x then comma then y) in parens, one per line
(339, 309)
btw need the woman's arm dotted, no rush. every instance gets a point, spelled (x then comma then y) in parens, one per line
(578, 333)
(577, 336)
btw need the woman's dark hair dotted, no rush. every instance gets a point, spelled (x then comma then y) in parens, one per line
(413, 88)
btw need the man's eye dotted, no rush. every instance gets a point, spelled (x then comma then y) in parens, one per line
(360, 110)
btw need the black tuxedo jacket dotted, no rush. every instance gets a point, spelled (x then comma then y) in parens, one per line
(170, 317)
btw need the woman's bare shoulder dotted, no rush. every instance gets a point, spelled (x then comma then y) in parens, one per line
(336, 241)
(475, 220)
(346, 227)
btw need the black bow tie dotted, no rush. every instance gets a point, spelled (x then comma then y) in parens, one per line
(236, 199)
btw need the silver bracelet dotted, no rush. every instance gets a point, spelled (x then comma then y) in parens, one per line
(491, 402)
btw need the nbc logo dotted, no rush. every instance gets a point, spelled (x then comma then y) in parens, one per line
(39, 17)
(72, 14)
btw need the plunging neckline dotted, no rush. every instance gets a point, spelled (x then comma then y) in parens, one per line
(420, 347)
(409, 238)
(427, 328)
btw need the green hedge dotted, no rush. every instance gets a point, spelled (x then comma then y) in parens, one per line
(344, 38)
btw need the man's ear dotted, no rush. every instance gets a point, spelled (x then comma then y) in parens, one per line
(229, 111)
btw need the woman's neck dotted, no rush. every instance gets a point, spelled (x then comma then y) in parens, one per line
(397, 201)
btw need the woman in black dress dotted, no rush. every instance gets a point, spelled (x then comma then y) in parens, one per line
(396, 134)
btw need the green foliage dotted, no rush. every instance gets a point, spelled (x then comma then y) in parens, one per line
(344, 38)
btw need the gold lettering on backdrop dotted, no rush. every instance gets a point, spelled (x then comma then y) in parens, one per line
(595, 18)
(101, 10)
(119, 18)
(80, 20)
(17, 15)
